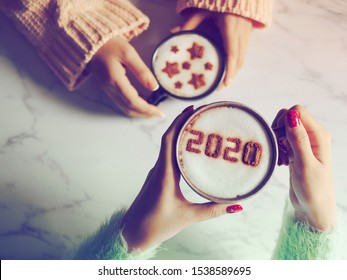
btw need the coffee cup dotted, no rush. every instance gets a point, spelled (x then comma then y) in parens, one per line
(187, 65)
(226, 152)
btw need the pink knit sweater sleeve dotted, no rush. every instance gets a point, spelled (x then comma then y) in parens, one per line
(67, 33)
(260, 11)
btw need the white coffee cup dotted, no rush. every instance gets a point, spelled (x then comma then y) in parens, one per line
(187, 65)
(226, 152)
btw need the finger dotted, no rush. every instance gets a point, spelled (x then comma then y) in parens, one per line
(194, 20)
(134, 62)
(231, 49)
(320, 139)
(167, 156)
(112, 92)
(210, 210)
(242, 50)
(169, 138)
(220, 87)
(175, 29)
(119, 102)
(129, 95)
(298, 138)
(243, 39)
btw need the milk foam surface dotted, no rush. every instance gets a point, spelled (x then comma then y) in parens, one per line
(184, 42)
(216, 176)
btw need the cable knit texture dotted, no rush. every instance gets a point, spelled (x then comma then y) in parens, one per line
(260, 11)
(67, 33)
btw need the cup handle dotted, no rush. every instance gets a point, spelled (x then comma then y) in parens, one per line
(157, 96)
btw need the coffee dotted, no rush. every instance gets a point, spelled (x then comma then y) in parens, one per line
(188, 65)
(226, 152)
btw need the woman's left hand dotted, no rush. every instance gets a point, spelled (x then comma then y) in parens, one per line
(235, 31)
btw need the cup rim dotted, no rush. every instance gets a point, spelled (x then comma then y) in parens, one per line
(220, 52)
(273, 161)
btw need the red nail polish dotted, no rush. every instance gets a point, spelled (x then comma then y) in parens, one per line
(188, 109)
(293, 118)
(234, 208)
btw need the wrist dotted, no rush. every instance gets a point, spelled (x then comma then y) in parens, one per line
(321, 222)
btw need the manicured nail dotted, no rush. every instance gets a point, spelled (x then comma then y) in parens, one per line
(153, 86)
(227, 82)
(188, 109)
(175, 29)
(234, 208)
(293, 118)
(161, 114)
(158, 114)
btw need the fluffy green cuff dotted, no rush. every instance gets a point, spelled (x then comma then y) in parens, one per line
(298, 241)
(107, 243)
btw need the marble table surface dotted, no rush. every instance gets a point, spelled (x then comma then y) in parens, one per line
(68, 160)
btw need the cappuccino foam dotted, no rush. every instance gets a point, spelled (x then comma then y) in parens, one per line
(214, 173)
(187, 65)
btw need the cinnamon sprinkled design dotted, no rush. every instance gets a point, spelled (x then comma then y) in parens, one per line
(178, 84)
(228, 150)
(208, 66)
(186, 65)
(196, 51)
(252, 153)
(174, 49)
(171, 69)
(197, 80)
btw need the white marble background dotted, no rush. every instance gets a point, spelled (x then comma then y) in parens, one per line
(67, 160)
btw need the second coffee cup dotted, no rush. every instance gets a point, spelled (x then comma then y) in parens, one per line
(187, 65)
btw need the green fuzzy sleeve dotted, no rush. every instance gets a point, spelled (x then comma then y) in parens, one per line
(107, 243)
(297, 241)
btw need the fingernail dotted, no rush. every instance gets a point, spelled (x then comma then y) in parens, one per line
(153, 86)
(234, 208)
(293, 118)
(175, 29)
(158, 114)
(227, 82)
(161, 114)
(188, 109)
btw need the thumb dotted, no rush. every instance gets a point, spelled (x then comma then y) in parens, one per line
(298, 137)
(194, 21)
(210, 210)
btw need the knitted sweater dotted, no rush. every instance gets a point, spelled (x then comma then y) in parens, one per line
(296, 241)
(67, 33)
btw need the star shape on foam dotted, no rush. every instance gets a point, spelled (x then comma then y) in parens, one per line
(186, 65)
(174, 49)
(197, 80)
(208, 66)
(196, 51)
(178, 85)
(171, 69)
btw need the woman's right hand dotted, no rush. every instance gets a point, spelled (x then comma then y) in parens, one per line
(306, 148)
(109, 66)
(160, 210)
